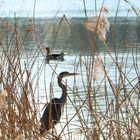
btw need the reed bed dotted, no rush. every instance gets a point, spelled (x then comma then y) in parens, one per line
(105, 108)
(17, 106)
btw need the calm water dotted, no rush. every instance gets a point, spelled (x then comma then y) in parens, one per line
(44, 75)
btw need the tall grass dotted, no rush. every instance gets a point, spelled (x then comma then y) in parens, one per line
(18, 109)
(105, 108)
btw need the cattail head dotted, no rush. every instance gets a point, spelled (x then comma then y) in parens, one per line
(3, 95)
(29, 28)
(98, 67)
(99, 25)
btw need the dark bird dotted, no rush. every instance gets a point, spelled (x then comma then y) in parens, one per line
(50, 56)
(52, 112)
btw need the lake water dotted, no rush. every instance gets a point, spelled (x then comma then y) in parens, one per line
(75, 41)
(45, 78)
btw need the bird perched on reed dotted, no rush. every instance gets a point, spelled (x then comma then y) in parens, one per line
(52, 112)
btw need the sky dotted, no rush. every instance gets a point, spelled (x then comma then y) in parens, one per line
(45, 5)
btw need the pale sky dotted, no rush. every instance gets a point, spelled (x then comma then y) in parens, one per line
(44, 5)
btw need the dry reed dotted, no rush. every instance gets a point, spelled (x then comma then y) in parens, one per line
(108, 108)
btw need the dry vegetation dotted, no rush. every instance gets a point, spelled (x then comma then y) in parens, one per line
(112, 106)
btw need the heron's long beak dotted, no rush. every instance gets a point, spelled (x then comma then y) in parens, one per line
(72, 74)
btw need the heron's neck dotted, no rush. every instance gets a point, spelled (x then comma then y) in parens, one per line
(63, 97)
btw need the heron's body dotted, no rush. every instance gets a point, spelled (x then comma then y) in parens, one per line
(52, 112)
(51, 115)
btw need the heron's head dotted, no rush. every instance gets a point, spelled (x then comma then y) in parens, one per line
(65, 74)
